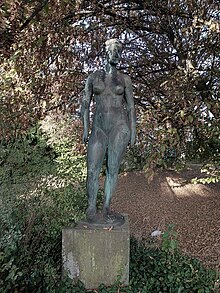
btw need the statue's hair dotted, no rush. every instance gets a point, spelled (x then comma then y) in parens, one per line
(113, 41)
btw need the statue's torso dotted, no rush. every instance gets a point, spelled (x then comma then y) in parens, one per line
(108, 91)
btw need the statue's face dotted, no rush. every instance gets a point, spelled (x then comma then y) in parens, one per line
(113, 54)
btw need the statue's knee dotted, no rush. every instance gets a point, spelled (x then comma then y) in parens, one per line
(92, 174)
(113, 170)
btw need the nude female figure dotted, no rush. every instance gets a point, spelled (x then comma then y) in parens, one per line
(114, 125)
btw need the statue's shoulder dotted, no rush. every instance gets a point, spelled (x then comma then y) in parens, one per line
(99, 71)
(100, 74)
(126, 78)
(96, 74)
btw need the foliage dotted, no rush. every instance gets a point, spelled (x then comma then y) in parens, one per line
(62, 134)
(167, 270)
(171, 53)
(134, 159)
(37, 199)
(212, 175)
(170, 243)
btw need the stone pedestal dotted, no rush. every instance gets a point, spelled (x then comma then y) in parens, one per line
(96, 255)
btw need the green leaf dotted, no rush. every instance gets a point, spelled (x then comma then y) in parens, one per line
(190, 118)
(46, 8)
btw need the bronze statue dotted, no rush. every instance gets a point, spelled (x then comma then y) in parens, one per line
(114, 125)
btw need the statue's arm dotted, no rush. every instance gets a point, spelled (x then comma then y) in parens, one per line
(130, 108)
(86, 100)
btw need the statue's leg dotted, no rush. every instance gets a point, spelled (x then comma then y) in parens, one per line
(95, 156)
(118, 141)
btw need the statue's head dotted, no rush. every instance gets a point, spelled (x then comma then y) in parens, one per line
(113, 50)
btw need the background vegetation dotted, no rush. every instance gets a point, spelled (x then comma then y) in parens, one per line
(171, 52)
(47, 49)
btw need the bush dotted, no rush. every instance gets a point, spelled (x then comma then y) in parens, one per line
(165, 269)
(38, 197)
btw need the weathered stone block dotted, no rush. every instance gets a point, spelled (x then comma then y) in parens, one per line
(96, 255)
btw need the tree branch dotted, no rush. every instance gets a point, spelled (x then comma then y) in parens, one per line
(34, 13)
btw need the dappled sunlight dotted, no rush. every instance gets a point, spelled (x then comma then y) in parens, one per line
(36, 187)
(182, 189)
(169, 197)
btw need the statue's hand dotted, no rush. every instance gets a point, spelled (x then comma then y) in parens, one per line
(85, 136)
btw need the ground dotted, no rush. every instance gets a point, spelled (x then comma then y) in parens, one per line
(166, 199)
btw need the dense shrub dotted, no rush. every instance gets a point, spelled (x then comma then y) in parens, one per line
(38, 197)
(166, 270)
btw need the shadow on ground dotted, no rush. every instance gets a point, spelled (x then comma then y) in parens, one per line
(169, 199)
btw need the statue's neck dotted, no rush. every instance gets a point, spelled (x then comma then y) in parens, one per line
(111, 69)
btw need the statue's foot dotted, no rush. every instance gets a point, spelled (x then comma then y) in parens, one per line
(113, 218)
(91, 213)
(105, 211)
(106, 218)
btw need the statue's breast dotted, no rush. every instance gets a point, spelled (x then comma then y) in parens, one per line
(108, 84)
(98, 87)
(118, 89)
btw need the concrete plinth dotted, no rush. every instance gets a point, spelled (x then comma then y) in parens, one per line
(96, 255)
